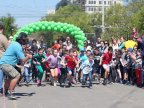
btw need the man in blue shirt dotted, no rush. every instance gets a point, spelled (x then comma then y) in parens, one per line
(10, 58)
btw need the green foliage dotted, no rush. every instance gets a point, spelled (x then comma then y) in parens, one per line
(73, 15)
(120, 20)
(62, 3)
(138, 20)
(9, 26)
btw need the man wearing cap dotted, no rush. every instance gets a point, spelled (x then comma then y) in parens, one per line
(3, 46)
(10, 58)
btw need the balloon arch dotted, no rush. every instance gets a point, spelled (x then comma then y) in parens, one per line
(74, 31)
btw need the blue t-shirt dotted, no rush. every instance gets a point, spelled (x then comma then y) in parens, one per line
(13, 54)
(82, 58)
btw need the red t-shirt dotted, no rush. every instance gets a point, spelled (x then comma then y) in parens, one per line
(107, 57)
(70, 61)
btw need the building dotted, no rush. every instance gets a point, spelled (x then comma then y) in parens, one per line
(126, 2)
(51, 12)
(92, 6)
(78, 2)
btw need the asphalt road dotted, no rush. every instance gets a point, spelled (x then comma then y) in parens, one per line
(110, 96)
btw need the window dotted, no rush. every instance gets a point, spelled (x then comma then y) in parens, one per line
(100, 9)
(100, 2)
(114, 2)
(105, 8)
(94, 2)
(92, 9)
(105, 2)
(95, 9)
(89, 9)
(91, 2)
(109, 2)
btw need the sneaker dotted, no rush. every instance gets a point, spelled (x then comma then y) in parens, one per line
(1, 92)
(104, 82)
(11, 97)
(27, 84)
(38, 83)
(54, 84)
(69, 84)
(90, 86)
(7, 93)
(121, 82)
(74, 82)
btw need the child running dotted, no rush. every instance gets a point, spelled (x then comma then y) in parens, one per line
(53, 65)
(71, 62)
(40, 59)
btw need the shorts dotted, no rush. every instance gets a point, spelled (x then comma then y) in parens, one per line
(57, 69)
(125, 70)
(9, 70)
(106, 67)
(96, 69)
(70, 71)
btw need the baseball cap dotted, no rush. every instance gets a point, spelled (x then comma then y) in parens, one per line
(82, 49)
(130, 50)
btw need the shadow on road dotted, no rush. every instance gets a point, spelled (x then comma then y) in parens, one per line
(18, 95)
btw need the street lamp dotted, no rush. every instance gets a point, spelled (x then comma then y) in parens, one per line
(103, 27)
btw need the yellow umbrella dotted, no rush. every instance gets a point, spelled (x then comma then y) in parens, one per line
(130, 44)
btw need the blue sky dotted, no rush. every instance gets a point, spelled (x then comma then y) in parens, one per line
(26, 11)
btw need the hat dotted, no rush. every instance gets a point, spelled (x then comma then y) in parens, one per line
(88, 48)
(82, 49)
(11, 37)
(130, 50)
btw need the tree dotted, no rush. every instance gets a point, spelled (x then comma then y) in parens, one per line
(117, 21)
(9, 26)
(138, 20)
(62, 3)
(73, 15)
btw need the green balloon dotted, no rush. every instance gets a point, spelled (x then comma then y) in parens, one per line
(72, 33)
(78, 36)
(37, 28)
(67, 31)
(55, 29)
(49, 28)
(58, 26)
(53, 26)
(61, 29)
(65, 27)
(80, 46)
(43, 27)
(31, 30)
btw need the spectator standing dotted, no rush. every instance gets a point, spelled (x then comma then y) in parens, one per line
(3, 46)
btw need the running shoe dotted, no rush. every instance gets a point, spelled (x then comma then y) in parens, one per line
(54, 84)
(1, 92)
(11, 97)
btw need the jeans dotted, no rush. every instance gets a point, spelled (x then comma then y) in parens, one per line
(1, 79)
(89, 75)
(27, 74)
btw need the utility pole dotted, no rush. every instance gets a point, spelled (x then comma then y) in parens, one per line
(103, 16)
